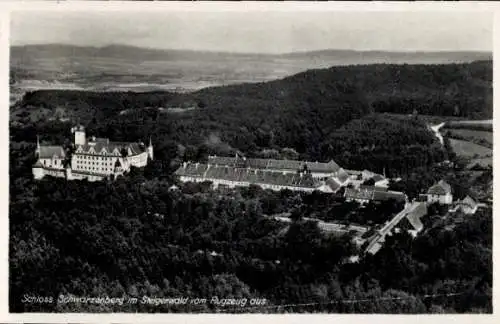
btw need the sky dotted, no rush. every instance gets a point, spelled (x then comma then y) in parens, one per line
(259, 32)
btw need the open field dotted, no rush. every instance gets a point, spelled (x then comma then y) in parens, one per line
(469, 150)
(477, 153)
(477, 132)
(483, 162)
(483, 138)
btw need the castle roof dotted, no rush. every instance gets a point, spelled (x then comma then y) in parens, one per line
(441, 188)
(100, 140)
(50, 151)
(111, 148)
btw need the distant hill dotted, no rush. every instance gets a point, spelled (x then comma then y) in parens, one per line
(118, 67)
(28, 52)
(372, 57)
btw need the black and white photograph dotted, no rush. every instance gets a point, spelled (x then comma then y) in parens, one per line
(251, 161)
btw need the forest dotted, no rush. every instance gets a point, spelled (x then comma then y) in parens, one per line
(460, 90)
(138, 237)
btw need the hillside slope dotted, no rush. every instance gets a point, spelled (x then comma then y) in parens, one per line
(300, 112)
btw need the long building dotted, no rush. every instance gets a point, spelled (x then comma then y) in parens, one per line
(91, 158)
(316, 169)
(365, 194)
(266, 173)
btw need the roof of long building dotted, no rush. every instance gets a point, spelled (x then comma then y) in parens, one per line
(257, 176)
(362, 194)
(272, 164)
(373, 193)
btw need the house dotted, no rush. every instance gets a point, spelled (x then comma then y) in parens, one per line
(440, 193)
(468, 205)
(91, 158)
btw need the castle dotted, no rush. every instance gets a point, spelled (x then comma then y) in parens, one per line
(91, 158)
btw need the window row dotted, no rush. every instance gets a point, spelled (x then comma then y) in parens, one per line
(95, 169)
(94, 163)
(94, 157)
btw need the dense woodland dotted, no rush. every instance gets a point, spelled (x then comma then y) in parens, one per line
(137, 237)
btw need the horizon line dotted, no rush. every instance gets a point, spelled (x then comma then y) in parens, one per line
(410, 51)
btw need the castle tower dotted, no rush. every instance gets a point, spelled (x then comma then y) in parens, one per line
(150, 149)
(79, 132)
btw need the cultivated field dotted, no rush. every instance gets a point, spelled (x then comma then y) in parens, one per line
(469, 150)
(472, 139)
(483, 138)
(478, 154)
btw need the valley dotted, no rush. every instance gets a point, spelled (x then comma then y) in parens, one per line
(127, 68)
